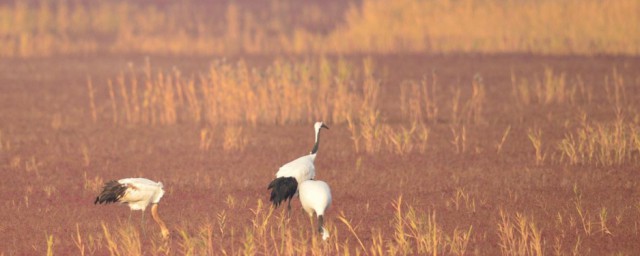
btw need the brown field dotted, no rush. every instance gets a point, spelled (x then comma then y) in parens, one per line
(479, 193)
(512, 148)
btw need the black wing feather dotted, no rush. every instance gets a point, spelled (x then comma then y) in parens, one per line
(282, 189)
(111, 193)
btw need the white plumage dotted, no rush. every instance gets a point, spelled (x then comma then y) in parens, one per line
(291, 174)
(141, 192)
(315, 197)
(137, 193)
(302, 168)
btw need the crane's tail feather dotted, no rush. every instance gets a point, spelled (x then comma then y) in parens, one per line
(111, 193)
(282, 189)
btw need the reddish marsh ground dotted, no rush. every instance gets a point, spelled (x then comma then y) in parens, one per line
(469, 154)
(440, 143)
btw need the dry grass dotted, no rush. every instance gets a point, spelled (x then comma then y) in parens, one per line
(605, 142)
(519, 236)
(502, 141)
(226, 93)
(206, 139)
(47, 28)
(551, 88)
(234, 139)
(602, 144)
(284, 93)
(414, 232)
(489, 26)
(535, 136)
(418, 100)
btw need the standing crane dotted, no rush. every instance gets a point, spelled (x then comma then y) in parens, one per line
(315, 197)
(137, 193)
(285, 185)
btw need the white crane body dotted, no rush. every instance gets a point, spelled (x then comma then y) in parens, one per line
(142, 192)
(315, 197)
(285, 185)
(137, 193)
(302, 169)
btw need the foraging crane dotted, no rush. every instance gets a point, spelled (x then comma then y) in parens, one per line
(137, 193)
(315, 197)
(285, 186)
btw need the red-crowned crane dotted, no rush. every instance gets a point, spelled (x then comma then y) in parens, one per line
(137, 193)
(285, 185)
(315, 197)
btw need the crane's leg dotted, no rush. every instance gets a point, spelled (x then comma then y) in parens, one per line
(144, 230)
(310, 218)
(323, 232)
(320, 223)
(289, 209)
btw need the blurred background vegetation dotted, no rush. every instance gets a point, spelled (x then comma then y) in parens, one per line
(30, 28)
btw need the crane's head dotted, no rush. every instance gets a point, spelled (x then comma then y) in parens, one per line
(320, 125)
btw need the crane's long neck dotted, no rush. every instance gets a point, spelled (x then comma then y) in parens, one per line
(317, 143)
(156, 217)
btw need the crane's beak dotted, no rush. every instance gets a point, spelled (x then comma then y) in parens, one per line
(324, 126)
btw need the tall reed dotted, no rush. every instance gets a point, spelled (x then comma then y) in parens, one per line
(49, 28)
(226, 93)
